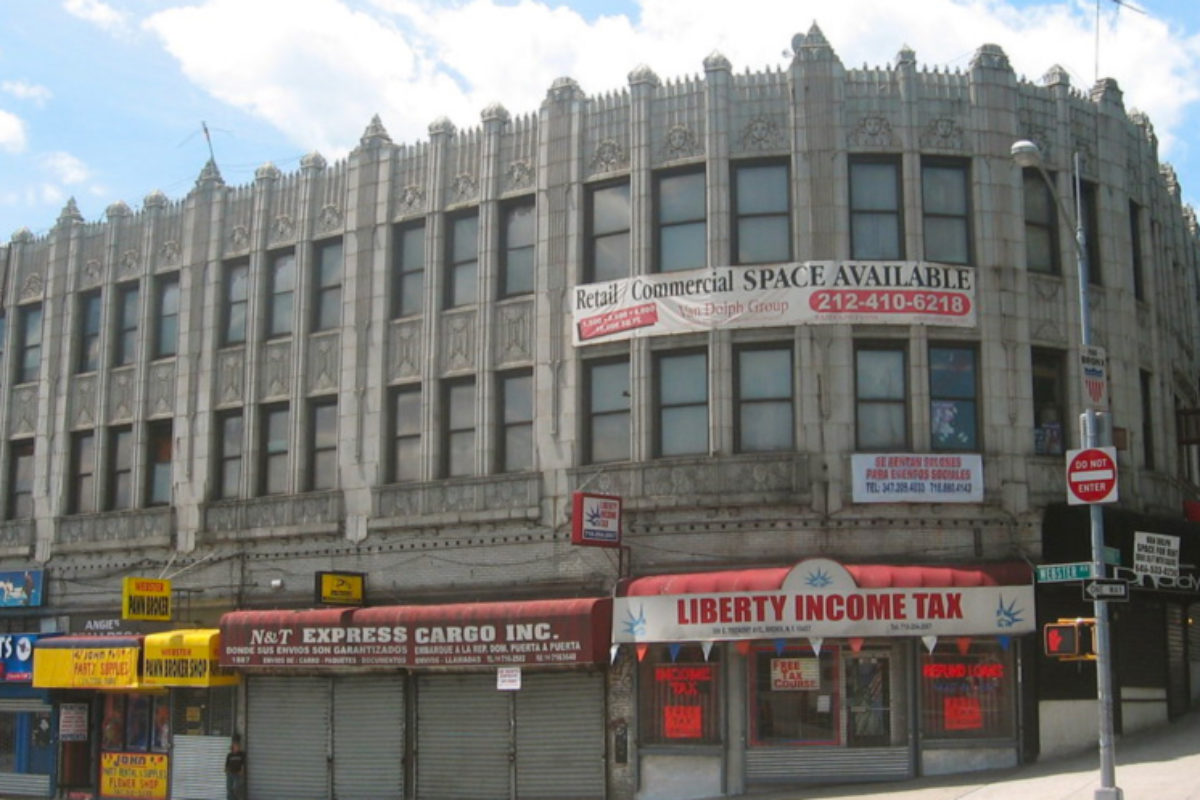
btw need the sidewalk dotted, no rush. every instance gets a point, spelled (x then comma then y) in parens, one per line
(1162, 763)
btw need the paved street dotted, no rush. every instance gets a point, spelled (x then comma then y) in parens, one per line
(1160, 764)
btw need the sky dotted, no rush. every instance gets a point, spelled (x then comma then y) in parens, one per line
(106, 100)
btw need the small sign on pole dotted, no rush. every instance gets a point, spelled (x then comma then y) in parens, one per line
(1093, 366)
(1092, 476)
(595, 519)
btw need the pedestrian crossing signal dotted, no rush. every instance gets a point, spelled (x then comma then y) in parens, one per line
(1069, 639)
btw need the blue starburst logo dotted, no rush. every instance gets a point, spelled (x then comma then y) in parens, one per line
(818, 579)
(1008, 615)
(595, 516)
(635, 626)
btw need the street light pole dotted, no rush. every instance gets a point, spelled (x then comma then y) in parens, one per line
(1027, 154)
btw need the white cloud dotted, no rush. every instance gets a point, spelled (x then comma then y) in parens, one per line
(65, 167)
(96, 12)
(318, 69)
(13, 137)
(23, 90)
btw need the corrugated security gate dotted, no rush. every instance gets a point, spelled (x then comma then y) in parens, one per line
(542, 742)
(316, 738)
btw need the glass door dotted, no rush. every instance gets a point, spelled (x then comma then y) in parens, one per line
(868, 699)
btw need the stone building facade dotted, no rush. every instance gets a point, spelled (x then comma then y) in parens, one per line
(372, 366)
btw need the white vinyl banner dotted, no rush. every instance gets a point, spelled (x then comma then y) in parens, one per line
(820, 601)
(812, 292)
(917, 477)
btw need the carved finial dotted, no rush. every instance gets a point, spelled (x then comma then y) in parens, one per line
(717, 62)
(907, 57)
(117, 210)
(564, 88)
(22, 235)
(210, 176)
(155, 199)
(441, 126)
(1106, 90)
(70, 213)
(642, 75)
(812, 46)
(313, 161)
(375, 134)
(1057, 75)
(990, 56)
(267, 172)
(495, 113)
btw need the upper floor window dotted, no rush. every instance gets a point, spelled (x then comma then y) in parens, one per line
(30, 346)
(159, 437)
(1091, 230)
(458, 428)
(128, 315)
(608, 244)
(119, 492)
(236, 293)
(81, 488)
(681, 392)
(945, 204)
(89, 332)
(762, 225)
(876, 221)
(681, 230)
(517, 238)
(166, 302)
(1041, 223)
(274, 433)
(1145, 387)
(20, 480)
(1049, 402)
(322, 445)
(881, 398)
(516, 420)
(606, 395)
(764, 399)
(327, 288)
(1135, 250)
(230, 448)
(281, 294)
(462, 260)
(953, 399)
(406, 434)
(408, 279)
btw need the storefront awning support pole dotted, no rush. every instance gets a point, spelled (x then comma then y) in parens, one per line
(1027, 154)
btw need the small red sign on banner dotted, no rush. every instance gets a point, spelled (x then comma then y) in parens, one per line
(683, 722)
(962, 713)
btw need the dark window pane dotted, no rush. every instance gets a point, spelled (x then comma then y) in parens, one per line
(763, 240)
(681, 197)
(610, 255)
(762, 189)
(610, 209)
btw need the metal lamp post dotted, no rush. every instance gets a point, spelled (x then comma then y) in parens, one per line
(1027, 154)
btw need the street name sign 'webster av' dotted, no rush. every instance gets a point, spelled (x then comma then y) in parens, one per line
(1092, 476)
(1062, 573)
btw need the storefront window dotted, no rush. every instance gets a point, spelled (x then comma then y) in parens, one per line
(795, 697)
(680, 697)
(968, 691)
(204, 712)
(8, 742)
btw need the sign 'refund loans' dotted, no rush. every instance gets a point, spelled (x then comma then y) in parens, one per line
(812, 292)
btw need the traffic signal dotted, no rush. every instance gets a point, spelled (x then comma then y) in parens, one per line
(1070, 639)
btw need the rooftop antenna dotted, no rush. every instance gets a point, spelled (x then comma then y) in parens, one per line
(212, 157)
(1119, 4)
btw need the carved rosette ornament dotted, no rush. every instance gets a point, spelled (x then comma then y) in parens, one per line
(412, 198)
(942, 134)
(239, 237)
(129, 262)
(680, 143)
(873, 132)
(518, 175)
(762, 133)
(169, 252)
(33, 286)
(282, 228)
(329, 219)
(464, 187)
(609, 156)
(91, 271)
